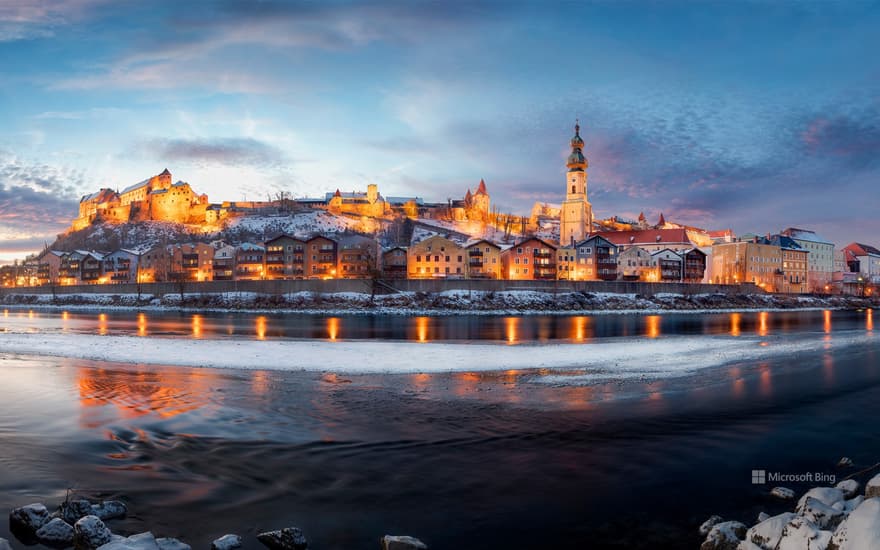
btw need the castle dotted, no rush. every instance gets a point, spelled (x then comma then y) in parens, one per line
(155, 198)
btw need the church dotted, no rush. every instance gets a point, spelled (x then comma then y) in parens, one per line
(576, 213)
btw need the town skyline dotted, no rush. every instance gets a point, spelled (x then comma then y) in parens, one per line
(753, 121)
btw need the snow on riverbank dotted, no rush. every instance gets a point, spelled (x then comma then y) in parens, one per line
(614, 358)
(450, 302)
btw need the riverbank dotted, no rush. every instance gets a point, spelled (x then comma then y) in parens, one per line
(517, 302)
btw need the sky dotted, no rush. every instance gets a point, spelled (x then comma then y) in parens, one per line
(754, 116)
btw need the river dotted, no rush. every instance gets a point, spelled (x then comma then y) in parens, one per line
(482, 459)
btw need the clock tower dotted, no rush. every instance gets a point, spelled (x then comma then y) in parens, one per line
(576, 215)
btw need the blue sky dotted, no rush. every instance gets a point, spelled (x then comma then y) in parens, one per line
(750, 115)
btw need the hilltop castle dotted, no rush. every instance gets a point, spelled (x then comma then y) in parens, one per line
(155, 198)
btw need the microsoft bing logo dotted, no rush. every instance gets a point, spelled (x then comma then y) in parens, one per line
(759, 477)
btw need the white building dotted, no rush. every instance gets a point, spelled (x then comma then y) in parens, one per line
(820, 260)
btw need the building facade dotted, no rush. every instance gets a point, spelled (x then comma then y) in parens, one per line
(576, 213)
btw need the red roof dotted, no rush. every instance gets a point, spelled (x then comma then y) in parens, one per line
(721, 233)
(647, 236)
(860, 249)
(481, 189)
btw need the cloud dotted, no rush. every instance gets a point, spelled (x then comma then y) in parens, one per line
(216, 151)
(35, 199)
(851, 138)
(27, 19)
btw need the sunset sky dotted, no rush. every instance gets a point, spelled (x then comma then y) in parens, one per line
(749, 115)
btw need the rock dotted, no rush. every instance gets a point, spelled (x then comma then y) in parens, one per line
(766, 534)
(847, 506)
(109, 509)
(724, 536)
(763, 516)
(801, 533)
(56, 532)
(4, 544)
(29, 518)
(402, 542)
(709, 524)
(90, 533)
(872, 488)
(172, 544)
(783, 493)
(72, 511)
(226, 542)
(141, 541)
(825, 495)
(289, 538)
(820, 514)
(849, 487)
(844, 462)
(861, 529)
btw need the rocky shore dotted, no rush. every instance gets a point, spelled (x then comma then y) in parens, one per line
(449, 302)
(838, 517)
(80, 524)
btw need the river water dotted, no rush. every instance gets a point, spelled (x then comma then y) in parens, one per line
(462, 460)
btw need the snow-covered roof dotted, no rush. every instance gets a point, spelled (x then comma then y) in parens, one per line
(397, 201)
(805, 235)
(250, 246)
(136, 186)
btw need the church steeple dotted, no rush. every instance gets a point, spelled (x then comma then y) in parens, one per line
(577, 162)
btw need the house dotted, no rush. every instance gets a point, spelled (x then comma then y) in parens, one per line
(820, 260)
(358, 257)
(320, 258)
(530, 259)
(48, 264)
(249, 262)
(667, 266)
(394, 263)
(866, 261)
(793, 275)
(652, 240)
(483, 260)
(285, 257)
(223, 264)
(121, 266)
(191, 262)
(155, 265)
(634, 264)
(566, 262)
(436, 257)
(694, 265)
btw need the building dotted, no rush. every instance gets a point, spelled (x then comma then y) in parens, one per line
(473, 207)
(667, 266)
(576, 213)
(820, 260)
(121, 266)
(865, 260)
(530, 259)
(155, 265)
(370, 204)
(436, 257)
(285, 258)
(483, 260)
(793, 276)
(694, 270)
(652, 240)
(634, 264)
(250, 262)
(155, 198)
(48, 264)
(223, 264)
(358, 257)
(191, 262)
(394, 263)
(320, 258)
(592, 259)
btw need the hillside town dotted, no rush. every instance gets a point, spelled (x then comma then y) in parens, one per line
(465, 238)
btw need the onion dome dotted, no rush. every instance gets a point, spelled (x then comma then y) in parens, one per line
(576, 160)
(576, 141)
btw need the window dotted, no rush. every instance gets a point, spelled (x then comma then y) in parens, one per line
(519, 250)
(526, 270)
(447, 258)
(525, 260)
(459, 258)
(436, 258)
(418, 258)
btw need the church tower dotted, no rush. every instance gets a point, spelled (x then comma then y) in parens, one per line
(576, 216)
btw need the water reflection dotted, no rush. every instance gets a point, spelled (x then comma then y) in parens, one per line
(826, 317)
(142, 324)
(762, 323)
(510, 329)
(582, 328)
(422, 329)
(735, 319)
(333, 328)
(197, 326)
(261, 327)
(102, 324)
(652, 326)
(869, 320)
(766, 384)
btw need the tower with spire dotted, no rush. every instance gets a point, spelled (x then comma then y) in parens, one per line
(576, 214)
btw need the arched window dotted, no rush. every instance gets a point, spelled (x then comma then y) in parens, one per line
(573, 189)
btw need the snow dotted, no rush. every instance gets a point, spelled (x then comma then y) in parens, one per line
(767, 533)
(613, 358)
(298, 225)
(861, 530)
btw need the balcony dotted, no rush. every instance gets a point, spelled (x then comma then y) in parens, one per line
(475, 252)
(543, 254)
(476, 263)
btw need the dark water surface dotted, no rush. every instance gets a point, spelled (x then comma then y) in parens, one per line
(463, 460)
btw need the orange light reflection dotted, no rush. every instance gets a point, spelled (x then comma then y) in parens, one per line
(102, 324)
(422, 329)
(142, 324)
(261, 327)
(762, 323)
(827, 324)
(652, 326)
(869, 320)
(197, 326)
(510, 329)
(735, 319)
(333, 328)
